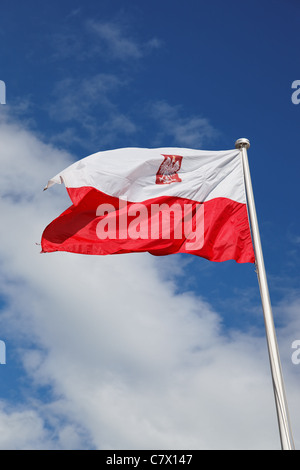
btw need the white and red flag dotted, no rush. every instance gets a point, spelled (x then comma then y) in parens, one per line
(161, 201)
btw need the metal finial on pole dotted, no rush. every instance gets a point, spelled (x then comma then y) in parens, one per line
(286, 437)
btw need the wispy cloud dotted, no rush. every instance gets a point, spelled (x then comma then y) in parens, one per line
(74, 98)
(191, 131)
(87, 105)
(116, 43)
(109, 40)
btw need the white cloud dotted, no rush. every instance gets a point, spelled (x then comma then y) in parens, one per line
(131, 362)
(22, 429)
(36, 428)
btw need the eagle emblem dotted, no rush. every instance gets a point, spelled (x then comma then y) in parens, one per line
(168, 170)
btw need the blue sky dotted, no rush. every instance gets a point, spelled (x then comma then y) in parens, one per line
(95, 343)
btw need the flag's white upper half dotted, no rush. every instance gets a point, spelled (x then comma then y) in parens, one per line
(130, 173)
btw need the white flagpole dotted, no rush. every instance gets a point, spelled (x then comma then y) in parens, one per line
(277, 379)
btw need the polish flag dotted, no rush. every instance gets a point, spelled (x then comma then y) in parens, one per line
(161, 201)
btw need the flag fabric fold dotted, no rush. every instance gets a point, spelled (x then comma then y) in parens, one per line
(161, 201)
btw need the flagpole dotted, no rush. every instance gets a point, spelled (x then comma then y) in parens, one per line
(277, 378)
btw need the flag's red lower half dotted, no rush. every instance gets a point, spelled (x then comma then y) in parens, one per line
(98, 224)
